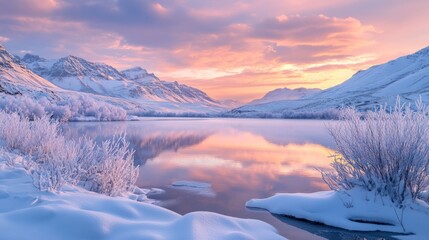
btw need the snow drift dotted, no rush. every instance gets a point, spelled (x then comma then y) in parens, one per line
(355, 210)
(27, 213)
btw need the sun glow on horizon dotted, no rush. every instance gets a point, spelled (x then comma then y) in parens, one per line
(239, 52)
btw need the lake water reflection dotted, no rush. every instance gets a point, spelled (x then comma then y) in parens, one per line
(241, 158)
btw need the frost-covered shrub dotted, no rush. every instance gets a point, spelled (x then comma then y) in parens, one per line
(65, 109)
(109, 170)
(54, 161)
(22, 105)
(62, 113)
(38, 137)
(87, 106)
(56, 167)
(385, 151)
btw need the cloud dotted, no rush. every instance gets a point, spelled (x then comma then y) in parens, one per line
(310, 29)
(27, 7)
(4, 39)
(256, 83)
(223, 44)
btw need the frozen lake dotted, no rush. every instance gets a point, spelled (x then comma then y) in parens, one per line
(228, 162)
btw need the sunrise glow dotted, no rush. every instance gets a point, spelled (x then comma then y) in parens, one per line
(230, 49)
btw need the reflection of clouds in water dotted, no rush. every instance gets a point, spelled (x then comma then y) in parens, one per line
(202, 161)
(241, 158)
(238, 149)
(233, 159)
(253, 151)
(286, 131)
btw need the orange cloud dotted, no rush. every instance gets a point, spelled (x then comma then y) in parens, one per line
(215, 45)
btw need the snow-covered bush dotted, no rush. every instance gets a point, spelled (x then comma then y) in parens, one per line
(54, 161)
(22, 105)
(109, 169)
(65, 109)
(385, 151)
(86, 106)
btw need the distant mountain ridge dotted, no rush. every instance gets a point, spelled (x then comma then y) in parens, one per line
(136, 91)
(77, 74)
(407, 77)
(285, 94)
(78, 89)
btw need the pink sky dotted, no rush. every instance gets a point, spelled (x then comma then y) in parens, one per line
(230, 49)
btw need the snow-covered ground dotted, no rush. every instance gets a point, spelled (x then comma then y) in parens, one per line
(355, 210)
(27, 213)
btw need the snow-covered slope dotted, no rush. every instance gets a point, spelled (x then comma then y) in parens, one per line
(23, 91)
(150, 85)
(285, 94)
(12, 71)
(78, 88)
(407, 77)
(78, 74)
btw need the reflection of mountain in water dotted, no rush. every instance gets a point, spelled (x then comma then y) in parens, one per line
(147, 141)
(150, 146)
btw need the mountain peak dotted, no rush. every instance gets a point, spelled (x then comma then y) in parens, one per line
(136, 69)
(29, 58)
(72, 58)
(7, 59)
(136, 73)
(73, 66)
(280, 94)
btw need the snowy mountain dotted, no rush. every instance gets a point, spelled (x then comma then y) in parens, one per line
(78, 74)
(162, 90)
(23, 91)
(75, 73)
(285, 94)
(407, 77)
(231, 103)
(81, 90)
(13, 72)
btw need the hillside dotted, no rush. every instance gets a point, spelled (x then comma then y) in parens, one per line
(407, 77)
(285, 94)
(77, 74)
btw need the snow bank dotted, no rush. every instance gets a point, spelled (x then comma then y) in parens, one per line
(200, 188)
(27, 213)
(355, 210)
